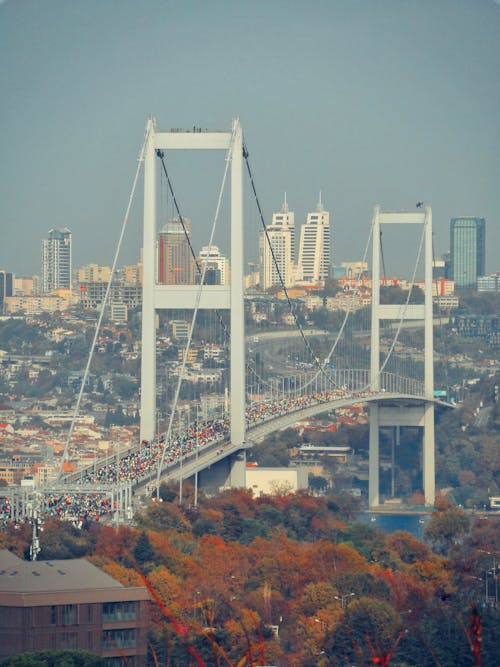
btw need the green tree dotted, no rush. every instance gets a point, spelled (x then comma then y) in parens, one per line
(374, 623)
(143, 551)
(69, 658)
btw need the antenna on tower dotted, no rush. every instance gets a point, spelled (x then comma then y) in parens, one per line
(320, 203)
(284, 208)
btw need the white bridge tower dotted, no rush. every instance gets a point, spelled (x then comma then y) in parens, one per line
(414, 413)
(157, 297)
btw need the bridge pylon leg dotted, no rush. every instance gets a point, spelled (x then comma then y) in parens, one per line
(373, 465)
(428, 459)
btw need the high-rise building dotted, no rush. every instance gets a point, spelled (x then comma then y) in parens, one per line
(6, 288)
(56, 260)
(175, 262)
(467, 251)
(217, 272)
(313, 264)
(281, 235)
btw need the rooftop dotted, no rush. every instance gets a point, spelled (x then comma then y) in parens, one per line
(20, 576)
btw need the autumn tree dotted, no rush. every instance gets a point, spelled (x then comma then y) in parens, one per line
(446, 527)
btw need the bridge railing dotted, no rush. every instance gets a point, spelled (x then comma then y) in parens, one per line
(68, 502)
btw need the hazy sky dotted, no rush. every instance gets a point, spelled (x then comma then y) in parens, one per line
(369, 101)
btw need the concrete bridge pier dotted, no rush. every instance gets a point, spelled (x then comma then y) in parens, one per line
(418, 415)
(228, 472)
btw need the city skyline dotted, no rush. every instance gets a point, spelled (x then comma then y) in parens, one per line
(466, 254)
(379, 111)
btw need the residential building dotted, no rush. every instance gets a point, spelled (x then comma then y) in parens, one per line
(180, 329)
(467, 251)
(14, 469)
(56, 260)
(93, 273)
(176, 265)
(119, 313)
(278, 240)
(120, 294)
(313, 264)
(31, 305)
(25, 286)
(217, 271)
(477, 326)
(70, 604)
(445, 302)
(355, 269)
(489, 283)
(132, 274)
(438, 268)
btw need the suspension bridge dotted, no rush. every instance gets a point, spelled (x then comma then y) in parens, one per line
(381, 355)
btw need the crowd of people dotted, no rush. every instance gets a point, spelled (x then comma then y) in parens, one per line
(141, 464)
(263, 411)
(75, 507)
(78, 506)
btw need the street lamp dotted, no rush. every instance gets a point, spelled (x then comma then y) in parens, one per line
(343, 599)
(324, 624)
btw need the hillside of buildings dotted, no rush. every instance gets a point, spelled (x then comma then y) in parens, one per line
(41, 367)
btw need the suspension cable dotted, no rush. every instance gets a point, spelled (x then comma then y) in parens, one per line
(347, 313)
(276, 266)
(103, 304)
(440, 317)
(161, 155)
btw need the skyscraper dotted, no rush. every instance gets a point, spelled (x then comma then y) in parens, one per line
(467, 251)
(314, 252)
(217, 272)
(281, 234)
(175, 262)
(56, 260)
(6, 288)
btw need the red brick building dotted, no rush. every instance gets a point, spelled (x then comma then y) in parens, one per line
(70, 604)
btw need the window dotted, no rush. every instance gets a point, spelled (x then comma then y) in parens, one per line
(119, 638)
(69, 614)
(69, 640)
(119, 611)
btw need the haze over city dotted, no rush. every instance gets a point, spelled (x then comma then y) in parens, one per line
(389, 102)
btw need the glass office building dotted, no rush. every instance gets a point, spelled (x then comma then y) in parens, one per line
(467, 251)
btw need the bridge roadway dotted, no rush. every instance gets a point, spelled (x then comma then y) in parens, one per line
(201, 457)
(209, 455)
